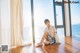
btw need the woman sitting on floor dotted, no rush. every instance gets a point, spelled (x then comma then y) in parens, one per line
(50, 36)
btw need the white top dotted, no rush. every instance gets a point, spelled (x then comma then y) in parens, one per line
(51, 30)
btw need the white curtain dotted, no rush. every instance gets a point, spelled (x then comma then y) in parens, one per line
(0, 30)
(0, 22)
(16, 23)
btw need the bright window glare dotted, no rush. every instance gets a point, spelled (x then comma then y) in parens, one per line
(42, 10)
(75, 12)
(27, 30)
(59, 16)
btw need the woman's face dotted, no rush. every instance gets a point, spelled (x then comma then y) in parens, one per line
(47, 24)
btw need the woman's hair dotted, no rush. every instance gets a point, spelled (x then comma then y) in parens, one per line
(46, 20)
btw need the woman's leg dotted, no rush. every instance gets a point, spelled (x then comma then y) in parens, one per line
(44, 37)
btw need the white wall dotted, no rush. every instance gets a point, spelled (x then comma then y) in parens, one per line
(5, 22)
(67, 22)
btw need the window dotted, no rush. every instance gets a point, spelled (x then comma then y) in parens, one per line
(27, 26)
(43, 9)
(75, 18)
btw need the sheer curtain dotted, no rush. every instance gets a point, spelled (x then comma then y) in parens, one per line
(16, 23)
(0, 23)
(0, 30)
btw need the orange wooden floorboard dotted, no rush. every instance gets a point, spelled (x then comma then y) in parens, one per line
(68, 45)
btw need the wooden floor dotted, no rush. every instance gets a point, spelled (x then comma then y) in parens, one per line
(68, 45)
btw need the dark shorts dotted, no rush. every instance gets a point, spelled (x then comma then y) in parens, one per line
(51, 39)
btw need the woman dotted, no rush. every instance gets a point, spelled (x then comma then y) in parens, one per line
(50, 36)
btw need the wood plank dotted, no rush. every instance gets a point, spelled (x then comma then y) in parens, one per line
(68, 45)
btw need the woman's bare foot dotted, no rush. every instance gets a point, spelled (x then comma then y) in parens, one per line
(39, 44)
(47, 42)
